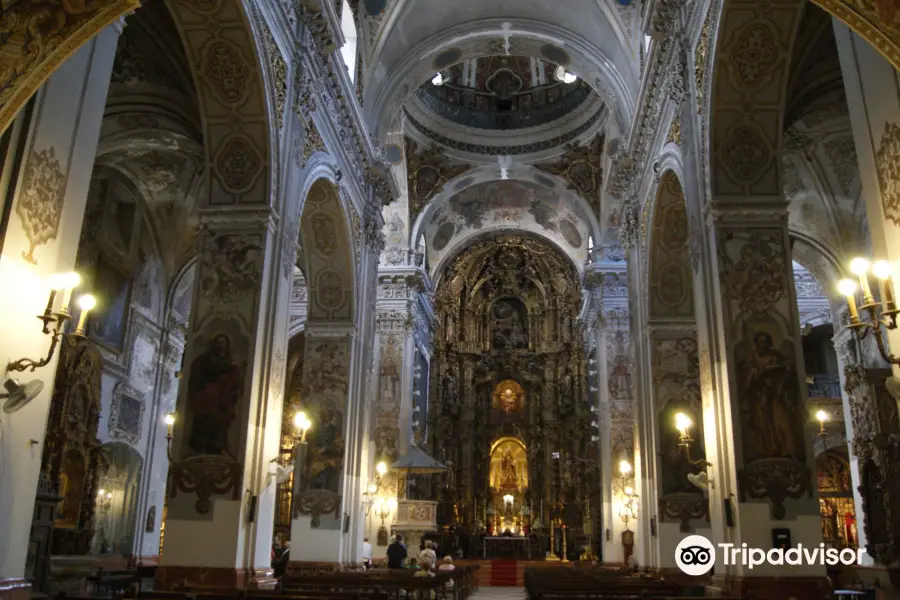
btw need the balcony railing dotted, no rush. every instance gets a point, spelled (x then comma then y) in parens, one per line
(824, 386)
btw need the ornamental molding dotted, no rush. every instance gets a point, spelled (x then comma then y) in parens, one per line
(322, 82)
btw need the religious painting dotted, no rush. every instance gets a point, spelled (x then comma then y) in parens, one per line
(126, 413)
(325, 450)
(509, 324)
(106, 323)
(509, 466)
(767, 387)
(215, 388)
(508, 399)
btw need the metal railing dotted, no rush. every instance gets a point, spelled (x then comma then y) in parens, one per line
(824, 386)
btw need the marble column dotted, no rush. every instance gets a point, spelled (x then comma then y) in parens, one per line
(614, 396)
(52, 145)
(758, 435)
(221, 502)
(871, 85)
(403, 336)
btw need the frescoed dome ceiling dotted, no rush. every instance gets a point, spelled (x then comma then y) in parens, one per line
(506, 206)
(502, 92)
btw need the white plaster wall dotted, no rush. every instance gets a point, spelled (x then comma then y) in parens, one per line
(67, 117)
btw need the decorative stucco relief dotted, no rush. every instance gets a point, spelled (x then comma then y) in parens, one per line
(40, 203)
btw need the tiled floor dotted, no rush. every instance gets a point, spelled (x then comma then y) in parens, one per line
(499, 593)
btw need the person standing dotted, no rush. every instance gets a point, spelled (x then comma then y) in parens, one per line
(396, 553)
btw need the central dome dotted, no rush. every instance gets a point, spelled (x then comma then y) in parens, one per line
(502, 93)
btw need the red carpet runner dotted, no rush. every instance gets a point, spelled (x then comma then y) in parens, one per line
(503, 573)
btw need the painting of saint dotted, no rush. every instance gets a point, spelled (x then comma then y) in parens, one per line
(766, 380)
(214, 390)
(326, 454)
(106, 324)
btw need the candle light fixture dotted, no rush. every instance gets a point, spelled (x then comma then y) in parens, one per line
(169, 420)
(683, 424)
(54, 319)
(871, 316)
(375, 486)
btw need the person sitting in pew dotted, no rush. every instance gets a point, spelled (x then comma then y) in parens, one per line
(447, 565)
(425, 571)
(413, 563)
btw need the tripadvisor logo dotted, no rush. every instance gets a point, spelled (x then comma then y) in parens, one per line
(696, 555)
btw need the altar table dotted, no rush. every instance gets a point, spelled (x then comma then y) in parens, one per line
(504, 545)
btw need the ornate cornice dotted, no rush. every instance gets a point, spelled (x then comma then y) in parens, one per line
(321, 75)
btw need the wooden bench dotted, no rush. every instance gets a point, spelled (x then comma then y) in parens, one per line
(583, 582)
(114, 582)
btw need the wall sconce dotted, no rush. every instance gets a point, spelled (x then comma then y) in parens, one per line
(104, 500)
(302, 425)
(373, 488)
(887, 309)
(169, 420)
(628, 508)
(54, 320)
(683, 424)
(821, 417)
(383, 509)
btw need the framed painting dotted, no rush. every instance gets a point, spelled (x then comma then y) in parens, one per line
(107, 323)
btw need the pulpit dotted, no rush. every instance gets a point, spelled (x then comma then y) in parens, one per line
(414, 519)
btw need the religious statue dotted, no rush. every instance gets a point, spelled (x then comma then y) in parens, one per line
(450, 395)
(567, 388)
(508, 399)
(214, 389)
(508, 470)
(766, 376)
(326, 453)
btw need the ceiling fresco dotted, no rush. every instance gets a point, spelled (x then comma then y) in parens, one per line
(506, 205)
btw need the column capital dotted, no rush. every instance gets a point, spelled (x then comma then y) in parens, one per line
(314, 329)
(756, 211)
(237, 218)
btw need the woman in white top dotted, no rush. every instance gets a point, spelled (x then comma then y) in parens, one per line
(428, 554)
(447, 565)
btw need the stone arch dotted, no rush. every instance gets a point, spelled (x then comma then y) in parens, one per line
(455, 252)
(670, 283)
(327, 253)
(417, 66)
(487, 173)
(747, 99)
(223, 55)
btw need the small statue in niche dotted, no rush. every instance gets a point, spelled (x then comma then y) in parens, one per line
(566, 387)
(508, 469)
(151, 520)
(450, 390)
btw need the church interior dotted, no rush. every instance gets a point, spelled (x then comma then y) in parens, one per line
(364, 299)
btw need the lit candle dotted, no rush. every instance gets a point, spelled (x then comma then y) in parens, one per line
(86, 303)
(682, 423)
(170, 423)
(847, 287)
(68, 283)
(882, 270)
(860, 268)
(57, 283)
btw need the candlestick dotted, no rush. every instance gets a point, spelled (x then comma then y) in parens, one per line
(86, 303)
(67, 283)
(882, 270)
(860, 268)
(847, 287)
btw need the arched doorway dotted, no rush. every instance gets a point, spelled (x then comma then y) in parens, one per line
(119, 478)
